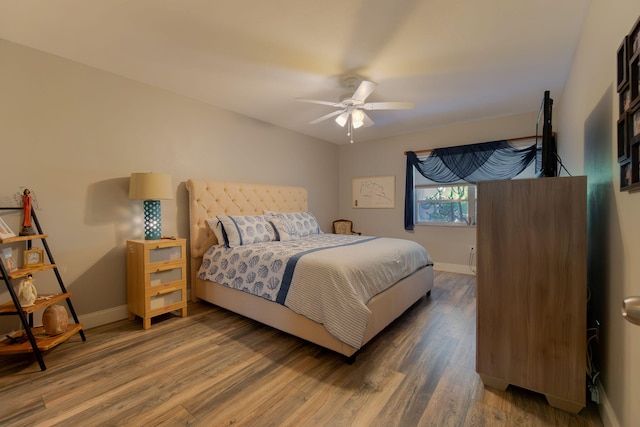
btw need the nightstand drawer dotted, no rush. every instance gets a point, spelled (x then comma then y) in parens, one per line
(166, 300)
(166, 277)
(165, 254)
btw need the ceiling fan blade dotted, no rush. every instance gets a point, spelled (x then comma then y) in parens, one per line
(389, 105)
(317, 101)
(364, 90)
(325, 117)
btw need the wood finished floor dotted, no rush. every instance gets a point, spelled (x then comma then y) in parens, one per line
(216, 368)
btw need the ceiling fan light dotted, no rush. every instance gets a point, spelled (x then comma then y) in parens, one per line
(357, 118)
(342, 119)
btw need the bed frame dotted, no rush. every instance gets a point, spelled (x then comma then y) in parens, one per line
(208, 199)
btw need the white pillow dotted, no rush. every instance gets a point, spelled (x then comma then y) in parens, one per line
(246, 229)
(305, 223)
(285, 230)
(216, 226)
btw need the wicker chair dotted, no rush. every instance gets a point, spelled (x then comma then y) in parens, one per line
(343, 226)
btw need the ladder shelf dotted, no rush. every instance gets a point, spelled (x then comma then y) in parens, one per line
(34, 339)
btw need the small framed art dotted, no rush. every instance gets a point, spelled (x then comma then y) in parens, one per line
(5, 231)
(8, 260)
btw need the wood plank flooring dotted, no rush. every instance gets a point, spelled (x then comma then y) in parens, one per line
(217, 368)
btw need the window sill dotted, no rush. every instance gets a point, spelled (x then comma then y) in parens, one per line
(445, 224)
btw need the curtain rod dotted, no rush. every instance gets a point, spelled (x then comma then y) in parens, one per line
(521, 138)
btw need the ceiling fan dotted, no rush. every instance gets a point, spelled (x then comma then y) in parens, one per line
(351, 106)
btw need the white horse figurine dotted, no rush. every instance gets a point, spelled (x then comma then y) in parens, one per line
(27, 292)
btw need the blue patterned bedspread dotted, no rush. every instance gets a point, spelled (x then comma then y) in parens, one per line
(266, 269)
(328, 278)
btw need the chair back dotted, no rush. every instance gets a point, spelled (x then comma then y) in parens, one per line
(342, 226)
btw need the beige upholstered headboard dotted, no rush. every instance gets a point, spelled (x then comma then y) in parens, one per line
(210, 198)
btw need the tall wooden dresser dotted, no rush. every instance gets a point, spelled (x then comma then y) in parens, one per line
(532, 287)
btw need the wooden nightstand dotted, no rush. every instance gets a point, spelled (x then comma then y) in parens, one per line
(156, 278)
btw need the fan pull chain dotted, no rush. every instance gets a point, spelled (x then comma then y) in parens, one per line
(350, 129)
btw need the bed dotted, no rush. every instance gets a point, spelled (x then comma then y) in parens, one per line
(208, 199)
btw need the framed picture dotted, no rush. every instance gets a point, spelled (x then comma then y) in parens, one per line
(5, 231)
(625, 100)
(634, 39)
(373, 192)
(8, 260)
(623, 56)
(624, 130)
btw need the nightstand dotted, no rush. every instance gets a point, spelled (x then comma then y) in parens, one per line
(156, 278)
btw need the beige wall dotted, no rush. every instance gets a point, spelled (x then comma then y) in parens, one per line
(449, 246)
(586, 118)
(73, 134)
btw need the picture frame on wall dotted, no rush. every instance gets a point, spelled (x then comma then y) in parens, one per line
(5, 231)
(373, 192)
(8, 260)
(625, 100)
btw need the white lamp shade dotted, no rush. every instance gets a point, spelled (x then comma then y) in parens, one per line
(150, 186)
(342, 119)
(357, 118)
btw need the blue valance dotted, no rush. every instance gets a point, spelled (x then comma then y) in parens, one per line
(471, 163)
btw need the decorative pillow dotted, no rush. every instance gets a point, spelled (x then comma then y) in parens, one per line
(305, 222)
(246, 229)
(216, 226)
(285, 230)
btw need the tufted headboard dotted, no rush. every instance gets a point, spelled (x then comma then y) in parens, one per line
(210, 198)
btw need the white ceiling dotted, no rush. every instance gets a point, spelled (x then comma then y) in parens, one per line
(458, 60)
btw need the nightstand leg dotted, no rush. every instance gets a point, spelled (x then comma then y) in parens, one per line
(146, 322)
(184, 312)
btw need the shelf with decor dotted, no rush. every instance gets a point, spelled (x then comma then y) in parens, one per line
(34, 339)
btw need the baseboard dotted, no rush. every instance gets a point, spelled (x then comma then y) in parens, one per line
(607, 414)
(102, 317)
(453, 268)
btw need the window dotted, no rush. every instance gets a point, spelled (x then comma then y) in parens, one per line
(453, 204)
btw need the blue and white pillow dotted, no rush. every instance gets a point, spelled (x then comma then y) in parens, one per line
(305, 223)
(242, 230)
(285, 229)
(216, 226)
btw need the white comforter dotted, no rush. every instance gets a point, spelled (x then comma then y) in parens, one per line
(327, 278)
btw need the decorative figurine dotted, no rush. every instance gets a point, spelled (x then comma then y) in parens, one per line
(27, 229)
(55, 320)
(27, 292)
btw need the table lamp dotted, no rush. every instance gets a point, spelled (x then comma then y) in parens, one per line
(151, 187)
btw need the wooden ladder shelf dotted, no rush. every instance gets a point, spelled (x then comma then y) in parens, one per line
(34, 339)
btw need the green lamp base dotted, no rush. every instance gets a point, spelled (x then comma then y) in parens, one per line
(152, 220)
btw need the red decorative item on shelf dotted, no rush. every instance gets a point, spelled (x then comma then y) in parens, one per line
(27, 229)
